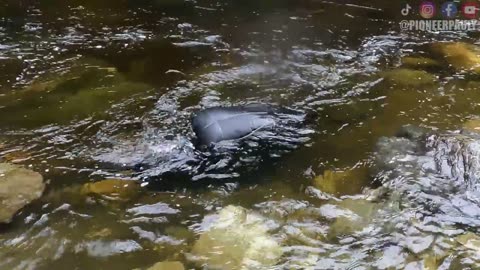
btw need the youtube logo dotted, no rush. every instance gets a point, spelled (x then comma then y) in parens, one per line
(470, 10)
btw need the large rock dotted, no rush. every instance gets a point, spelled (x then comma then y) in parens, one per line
(461, 56)
(237, 239)
(18, 187)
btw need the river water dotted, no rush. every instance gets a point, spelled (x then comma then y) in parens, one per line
(91, 90)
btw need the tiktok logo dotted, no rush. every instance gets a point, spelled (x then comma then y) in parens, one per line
(406, 10)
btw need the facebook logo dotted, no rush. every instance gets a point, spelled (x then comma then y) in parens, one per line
(449, 10)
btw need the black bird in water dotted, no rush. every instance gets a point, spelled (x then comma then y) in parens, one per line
(217, 124)
(230, 142)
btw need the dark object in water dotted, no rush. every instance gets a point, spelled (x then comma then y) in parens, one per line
(171, 162)
(226, 123)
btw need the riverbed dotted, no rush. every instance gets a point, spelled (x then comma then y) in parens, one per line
(91, 91)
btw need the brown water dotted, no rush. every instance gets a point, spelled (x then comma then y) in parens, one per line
(89, 89)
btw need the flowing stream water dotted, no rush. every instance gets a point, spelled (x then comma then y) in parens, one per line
(93, 90)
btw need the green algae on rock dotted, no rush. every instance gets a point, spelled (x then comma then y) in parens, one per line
(470, 241)
(18, 187)
(120, 188)
(16, 156)
(238, 239)
(356, 110)
(340, 183)
(167, 266)
(472, 125)
(408, 77)
(431, 261)
(99, 234)
(419, 62)
(179, 232)
(461, 56)
(88, 88)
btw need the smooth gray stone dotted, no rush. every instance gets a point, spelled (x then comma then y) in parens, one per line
(226, 123)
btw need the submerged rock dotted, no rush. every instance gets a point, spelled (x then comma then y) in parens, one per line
(418, 244)
(470, 241)
(350, 216)
(88, 88)
(438, 173)
(431, 262)
(236, 239)
(355, 110)
(103, 233)
(112, 187)
(461, 56)
(390, 257)
(340, 183)
(16, 156)
(409, 77)
(153, 209)
(167, 266)
(472, 125)
(18, 187)
(457, 156)
(452, 155)
(103, 248)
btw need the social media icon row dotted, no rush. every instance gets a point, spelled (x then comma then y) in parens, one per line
(448, 10)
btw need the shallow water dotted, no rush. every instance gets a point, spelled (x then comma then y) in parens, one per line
(91, 90)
